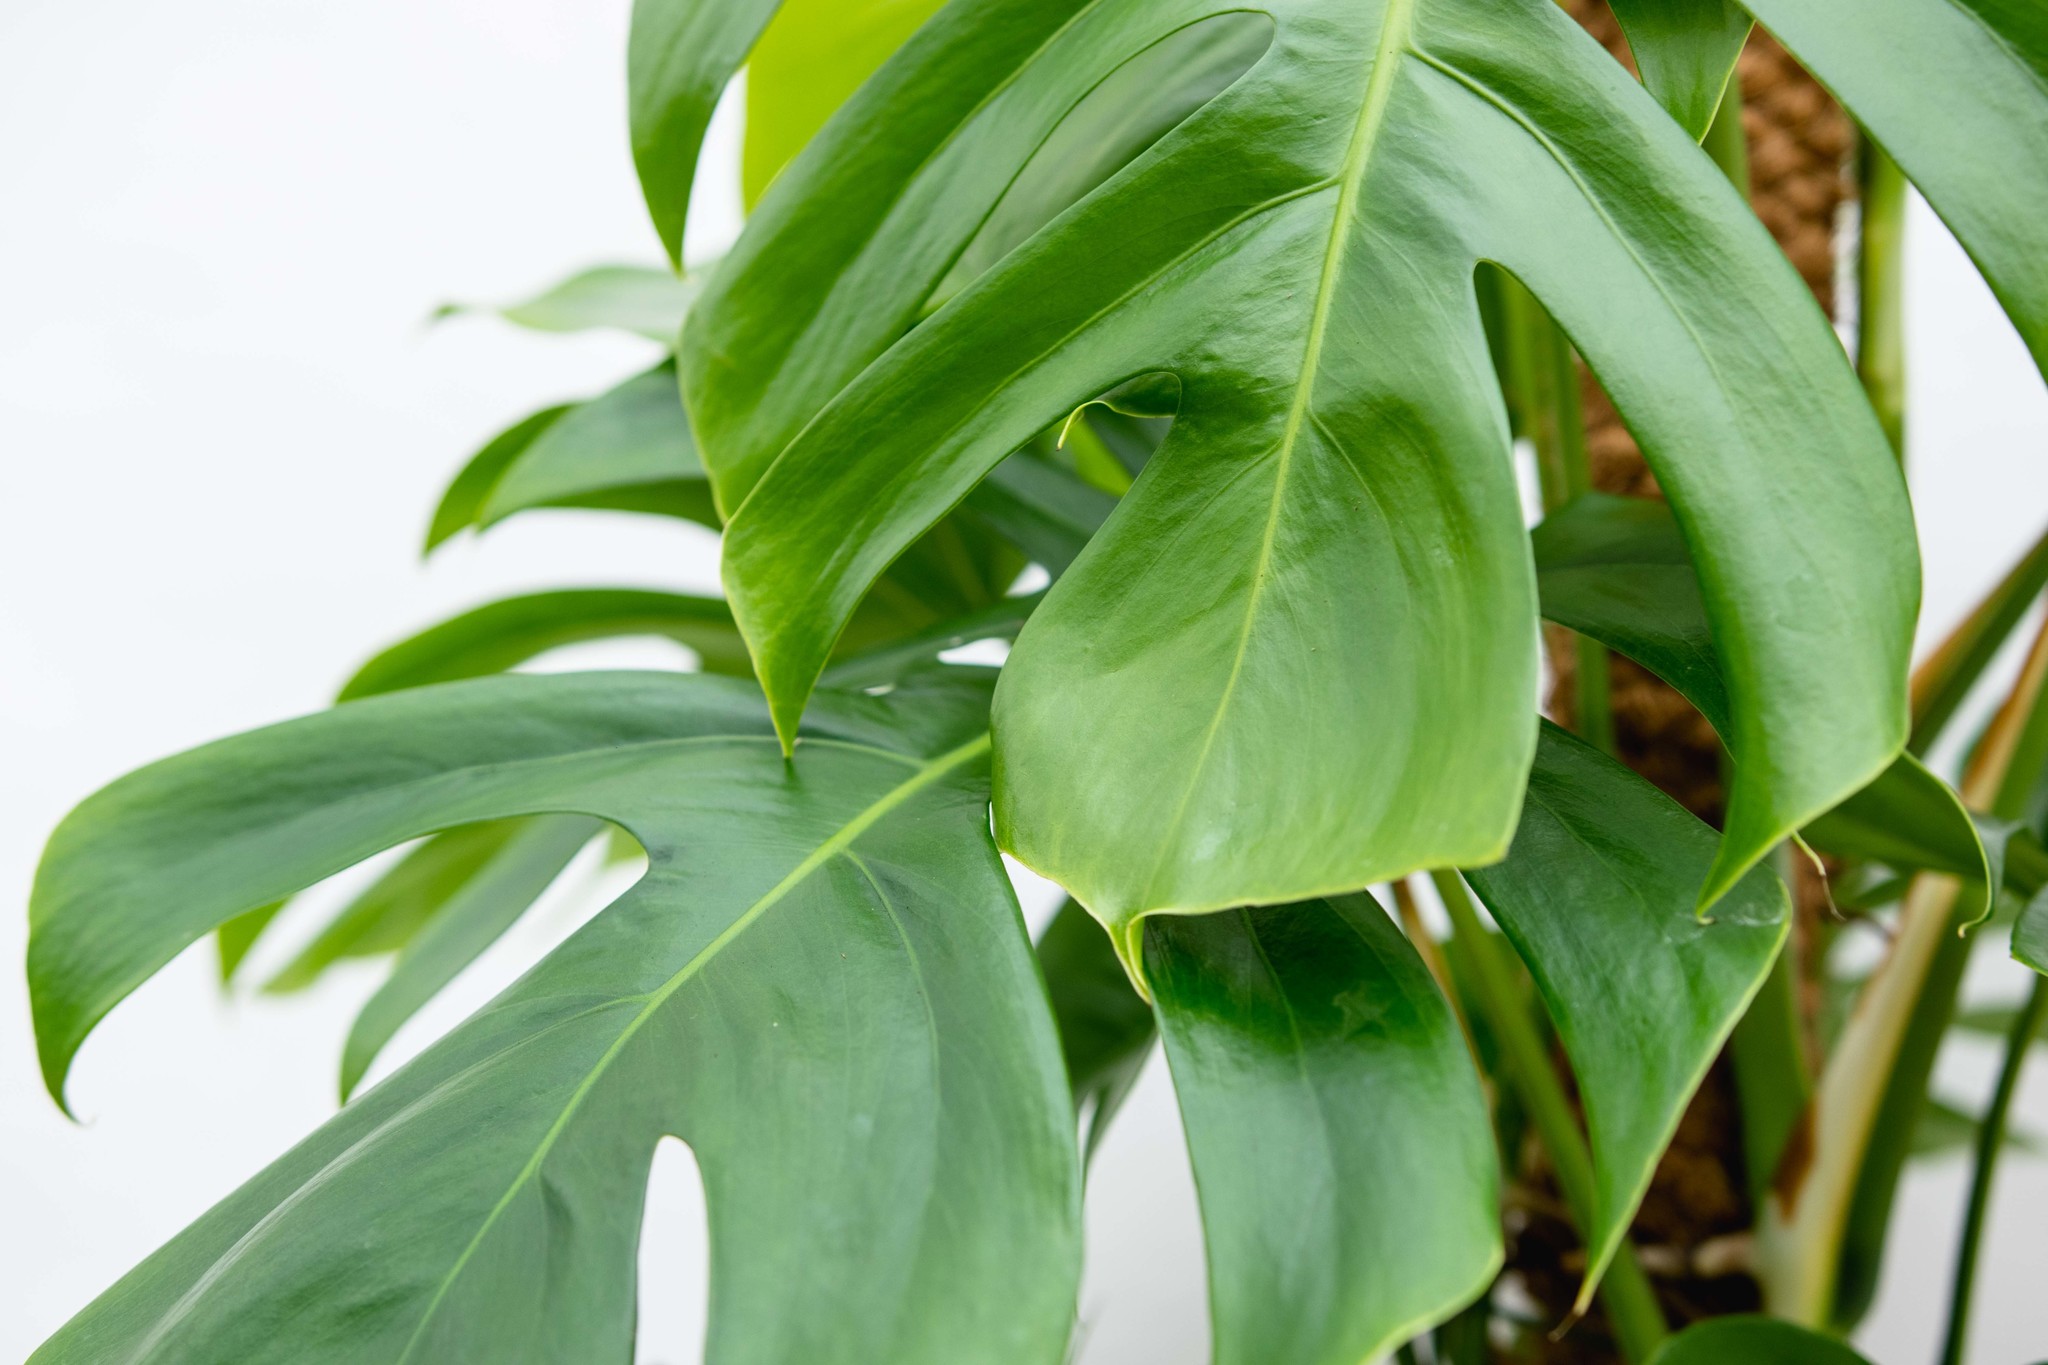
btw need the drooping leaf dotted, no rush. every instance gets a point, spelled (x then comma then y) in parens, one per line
(1106, 1030)
(1346, 1170)
(462, 504)
(1685, 50)
(470, 921)
(2030, 934)
(238, 936)
(503, 634)
(386, 915)
(1596, 894)
(1299, 652)
(820, 950)
(1616, 569)
(1982, 160)
(679, 56)
(808, 60)
(1752, 1340)
(622, 298)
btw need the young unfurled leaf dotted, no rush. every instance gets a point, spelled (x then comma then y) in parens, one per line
(1299, 654)
(1596, 894)
(1347, 1173)
(822, 984)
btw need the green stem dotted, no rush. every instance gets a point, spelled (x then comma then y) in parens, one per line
(1990, 1141)
(1880, 308)
(1631, 1303)
(1771, 1078)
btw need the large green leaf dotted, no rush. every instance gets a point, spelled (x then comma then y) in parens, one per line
(1596, 894)
(1346, 1169)
(1686, 50)
(809, 59)
(502, 634)
(822, 984)
(623, 298)
(1957, 92)
(1300, 652)
(678, 58)
(1747, 1340)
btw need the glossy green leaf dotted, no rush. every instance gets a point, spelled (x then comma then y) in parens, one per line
(2030, 934)
(1616, 569)
(820, 950)
(1596, 894)
(1748, 1340)
(1341, 1150)
(503, 634)
(1686, 51)
(471, 920)
(1299, 653)
(462, 505)
(622, 298)
(629, 448)
(1106, 1030)
(808, 60)
(679, 56)
(1982, 161)
(389, 912)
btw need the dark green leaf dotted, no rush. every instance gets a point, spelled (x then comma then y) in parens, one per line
(1686, 50)
(470, 921)
(629, 448)
(820, 950)
(500, 635)
(1299, 653)
(2030, 934)
(392, 909)
(888, 663)
(1596, 894)
(1957, 92)
(1745, 1340)
(1346, 1169)
(1106, 1031)
(1041, 508)
(463, 503)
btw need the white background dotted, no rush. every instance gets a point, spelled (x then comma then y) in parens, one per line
(223, 423)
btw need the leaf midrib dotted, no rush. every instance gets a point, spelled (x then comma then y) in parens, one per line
(1396, 27)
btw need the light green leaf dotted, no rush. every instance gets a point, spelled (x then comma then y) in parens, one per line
(1299, 653)
(503, 634)
(647, 301)
(679, 57)
(627, 449)
(1106, 1031)
(1685, 50)
(470, 920)
(392, 910)
(820, 950)
(1596, 894)
(1957, 92)
(238, 936)
(1347, 1173)
(1748, 1340)
(812, 56)
(2030, 934)
(462, 504)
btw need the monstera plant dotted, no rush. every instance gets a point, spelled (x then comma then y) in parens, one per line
(1187, 348)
